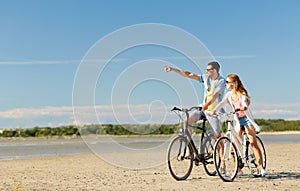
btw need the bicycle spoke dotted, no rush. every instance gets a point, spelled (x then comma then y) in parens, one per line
(180, 158)
(225, 158)
(208, 162)
(252, 162)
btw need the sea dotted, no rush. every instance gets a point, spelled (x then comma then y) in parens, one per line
(24, 148)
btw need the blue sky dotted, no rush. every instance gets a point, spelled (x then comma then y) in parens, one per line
(43, 42)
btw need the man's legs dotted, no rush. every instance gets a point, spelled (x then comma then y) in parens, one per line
(194, 117)
(215, 126)
(215, 129)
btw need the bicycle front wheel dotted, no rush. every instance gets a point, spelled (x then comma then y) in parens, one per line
(253, 162)
(226, 159)
(180, 158)
(208, 159)
(263, 152)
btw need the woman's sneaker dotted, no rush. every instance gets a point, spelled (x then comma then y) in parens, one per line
(240, 173)
(263, 172)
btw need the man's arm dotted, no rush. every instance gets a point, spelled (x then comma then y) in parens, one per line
(219, 89)
(209, 102)
(182, 73)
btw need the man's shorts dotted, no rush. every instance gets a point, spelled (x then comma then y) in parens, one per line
(214, 122)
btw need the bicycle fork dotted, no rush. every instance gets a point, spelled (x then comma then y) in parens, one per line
(180, 155)
(229, 136)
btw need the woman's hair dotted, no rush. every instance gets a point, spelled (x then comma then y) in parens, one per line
(238, 86)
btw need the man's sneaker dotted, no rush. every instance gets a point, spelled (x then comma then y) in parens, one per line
(263, 172)
(189, 156)
(240, 173)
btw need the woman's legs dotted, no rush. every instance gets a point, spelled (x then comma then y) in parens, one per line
(240, 134)
(253, 141)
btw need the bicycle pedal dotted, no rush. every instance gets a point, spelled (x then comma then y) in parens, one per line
(206, 162)
(209, 156)
(202, 157)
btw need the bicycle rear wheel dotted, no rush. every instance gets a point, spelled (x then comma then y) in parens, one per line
(226, 159)
(253, 162)
(208, 161)
(180, 158)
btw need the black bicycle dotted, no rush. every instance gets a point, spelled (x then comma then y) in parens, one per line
(182, 151)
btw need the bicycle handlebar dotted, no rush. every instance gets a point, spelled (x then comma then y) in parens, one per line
(228, 113)
(185, 110)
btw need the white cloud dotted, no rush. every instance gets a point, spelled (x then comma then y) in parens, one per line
(13, 61)
(44, 62)
(55, 116)
(33, 62)
(273, 112)
(21, 113)
(277, 105)
(287, 111)
(232, 57)
(123, 113)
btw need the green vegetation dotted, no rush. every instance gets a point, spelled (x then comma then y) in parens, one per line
(41, 132)
(129, 129)
(278, 125)
(268, 125)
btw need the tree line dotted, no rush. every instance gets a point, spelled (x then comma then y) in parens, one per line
(267, 125)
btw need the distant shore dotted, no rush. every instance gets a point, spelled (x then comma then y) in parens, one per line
(267, 125)
(281, 132)
(146, 135)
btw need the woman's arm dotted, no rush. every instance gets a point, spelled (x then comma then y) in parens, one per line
(223, 102)
(244, 103)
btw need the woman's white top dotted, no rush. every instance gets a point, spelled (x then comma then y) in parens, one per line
(227, 100)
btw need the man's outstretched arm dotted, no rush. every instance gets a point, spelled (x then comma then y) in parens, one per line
(182, 73)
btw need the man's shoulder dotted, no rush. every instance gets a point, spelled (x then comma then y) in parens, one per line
(203, 77)
(221, 79)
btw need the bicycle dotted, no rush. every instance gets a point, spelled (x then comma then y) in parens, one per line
(182, 151)
(231, 151)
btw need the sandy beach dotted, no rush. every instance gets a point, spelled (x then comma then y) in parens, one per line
(89, 172)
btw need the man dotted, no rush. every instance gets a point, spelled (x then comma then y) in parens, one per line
(214, 89)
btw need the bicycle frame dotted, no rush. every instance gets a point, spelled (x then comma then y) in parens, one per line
(239, 142)
(235, 138)
(184, 141)
(237, 149)
(189, 136)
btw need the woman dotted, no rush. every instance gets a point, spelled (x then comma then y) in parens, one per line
(238, 99)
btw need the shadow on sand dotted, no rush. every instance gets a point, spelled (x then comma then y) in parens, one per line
(283, 175)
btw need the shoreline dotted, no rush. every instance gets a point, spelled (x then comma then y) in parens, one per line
(40, 147)
(281, 133)
(155, 135)
(89, 172)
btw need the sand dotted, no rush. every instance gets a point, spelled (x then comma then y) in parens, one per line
(89, 172)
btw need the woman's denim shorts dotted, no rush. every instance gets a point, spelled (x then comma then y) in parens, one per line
(244, 122)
